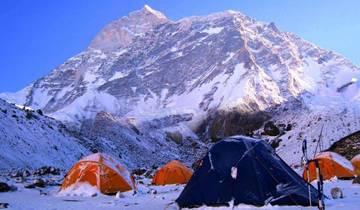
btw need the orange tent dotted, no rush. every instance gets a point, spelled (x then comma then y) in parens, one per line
(331, 165)
(101, 171)
(356, 163)
(173, 172)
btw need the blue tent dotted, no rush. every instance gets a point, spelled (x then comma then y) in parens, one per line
(245, 170)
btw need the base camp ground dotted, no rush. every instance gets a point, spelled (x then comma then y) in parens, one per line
(236, 171)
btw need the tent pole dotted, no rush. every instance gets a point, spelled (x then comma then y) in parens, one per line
(320, 186)
(306, 162)
(308, 180)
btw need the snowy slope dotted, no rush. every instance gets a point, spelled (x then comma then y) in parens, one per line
(31, 140)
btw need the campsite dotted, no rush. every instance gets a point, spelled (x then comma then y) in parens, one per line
(237, 172)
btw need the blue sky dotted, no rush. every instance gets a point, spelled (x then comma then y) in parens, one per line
(38, 35)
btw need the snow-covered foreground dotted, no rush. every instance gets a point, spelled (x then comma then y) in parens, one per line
(31, 199)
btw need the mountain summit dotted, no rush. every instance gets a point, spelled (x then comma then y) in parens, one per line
(121, 33)
(188, 73)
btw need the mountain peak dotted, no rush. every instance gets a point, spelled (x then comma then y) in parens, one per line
(148, 10)
(121, 32)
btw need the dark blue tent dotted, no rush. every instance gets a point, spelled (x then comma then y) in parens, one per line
(245, 170)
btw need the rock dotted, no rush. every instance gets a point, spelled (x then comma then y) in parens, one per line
(29, 186)
(45, 170)
(288, 127)
(4, 205)
(148, 175)
(4, 187)
(356, 180)
(153, 192)
(25, 173)
(336, 193)
(39, 183)
(19, 179)
(175, 136)
(275, 143)
(53, 182)
(42, 193)
(36, 183)
(347, 146)
(270, 129)
(197, 164)
(194, 145)
(139, 171)
(119, 195)
(222, 124)
(15, 174)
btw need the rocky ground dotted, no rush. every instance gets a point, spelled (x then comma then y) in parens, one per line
(348, 147)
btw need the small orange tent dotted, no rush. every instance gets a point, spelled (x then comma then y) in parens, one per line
(331, 165)
(173, 172)
(356, 163)
(101, 171)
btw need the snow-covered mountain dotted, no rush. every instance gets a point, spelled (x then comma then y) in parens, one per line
(146, 67)
(29, 139)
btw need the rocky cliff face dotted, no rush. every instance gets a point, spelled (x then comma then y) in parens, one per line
(348, 146)
(139, 145)
(147, 67)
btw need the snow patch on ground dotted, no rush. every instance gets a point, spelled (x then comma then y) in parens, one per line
(83, 189)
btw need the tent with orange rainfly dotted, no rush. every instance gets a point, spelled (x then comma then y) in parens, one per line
(331, 165)
(100, 171)
(174, 172)
(355, 161)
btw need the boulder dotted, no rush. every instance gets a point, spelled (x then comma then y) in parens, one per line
(4, 205)
(15, 174)
(25, 173)
(275, 143)
(36, 183)
(356, 180)
(336, 193)
(39, 183)
(149, 175)
(175, 136)
(270, 129)
(139, 171)
(45, 170)
(4, 187)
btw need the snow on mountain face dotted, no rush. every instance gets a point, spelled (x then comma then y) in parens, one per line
(145, 66)
(27, 137)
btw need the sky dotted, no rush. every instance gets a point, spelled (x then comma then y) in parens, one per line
(38, 35)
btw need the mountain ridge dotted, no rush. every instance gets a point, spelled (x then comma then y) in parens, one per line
(197, 66)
